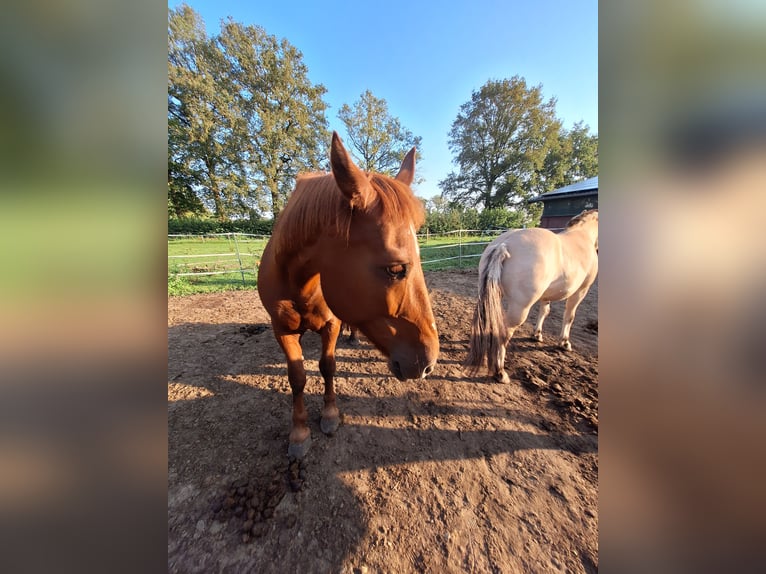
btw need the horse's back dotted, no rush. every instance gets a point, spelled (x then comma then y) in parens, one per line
(529, 248)
(537, 266)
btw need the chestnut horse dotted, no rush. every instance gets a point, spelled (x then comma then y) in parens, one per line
(522, 267)
(344, 249)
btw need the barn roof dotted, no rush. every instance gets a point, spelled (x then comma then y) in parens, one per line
(585, 187)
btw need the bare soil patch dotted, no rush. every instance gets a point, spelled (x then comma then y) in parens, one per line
(451, 474)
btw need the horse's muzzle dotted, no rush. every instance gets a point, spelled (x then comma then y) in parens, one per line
(404, 372)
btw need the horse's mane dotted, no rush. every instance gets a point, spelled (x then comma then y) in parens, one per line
(583, 217)
(318, 206)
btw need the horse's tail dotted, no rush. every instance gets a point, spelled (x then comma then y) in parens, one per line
(488, 326)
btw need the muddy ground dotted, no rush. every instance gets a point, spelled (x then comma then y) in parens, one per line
(451, 474)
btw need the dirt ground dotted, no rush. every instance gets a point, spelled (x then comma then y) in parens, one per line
(449, 474)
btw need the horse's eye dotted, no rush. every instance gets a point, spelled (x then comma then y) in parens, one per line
(398, 271)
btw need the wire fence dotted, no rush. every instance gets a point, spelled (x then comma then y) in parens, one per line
(232, 256)
(226, 260)
(467, 248)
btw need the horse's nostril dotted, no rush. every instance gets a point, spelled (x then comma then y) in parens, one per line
(428, 370)
(397, 370)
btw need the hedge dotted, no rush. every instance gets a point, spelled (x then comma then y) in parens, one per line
(198, 226)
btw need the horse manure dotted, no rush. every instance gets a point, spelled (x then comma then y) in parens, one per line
(248, 504)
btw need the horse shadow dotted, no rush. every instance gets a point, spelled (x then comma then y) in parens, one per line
(228, 429)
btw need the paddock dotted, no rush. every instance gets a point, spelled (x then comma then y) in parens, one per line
(453, 473)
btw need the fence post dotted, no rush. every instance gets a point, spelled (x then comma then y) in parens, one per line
(236, 248)
(460, 248)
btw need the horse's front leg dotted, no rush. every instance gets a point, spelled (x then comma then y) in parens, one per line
(300, 435)
(569, 314)
(330, 414)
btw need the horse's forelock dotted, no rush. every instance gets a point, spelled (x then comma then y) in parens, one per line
(317, 202)
(396, 201)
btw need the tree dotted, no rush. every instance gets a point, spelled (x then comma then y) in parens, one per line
(442, 216)
(282, 125)
(583, 157)
(499, 218)
(377, 140)
(243, 118)
(501, 139)
(200, 155)
(182, 200)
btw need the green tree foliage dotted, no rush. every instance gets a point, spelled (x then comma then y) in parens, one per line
(243, 118)
(377, 140)
(202, 225)
(281, 124)
(182, 200)
(509, 147)
(500, 218)
(583, 156)
(573, 157)
(443, 215)
(200, 156)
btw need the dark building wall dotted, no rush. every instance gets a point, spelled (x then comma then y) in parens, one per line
(555, 222)
(557, 212)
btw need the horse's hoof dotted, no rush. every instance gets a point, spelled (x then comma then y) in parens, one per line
(503, 378)
(329, 425)
(566, 345)
(297, 450)
(538, 337)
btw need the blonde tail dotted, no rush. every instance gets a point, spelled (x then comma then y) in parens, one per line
(488, 326)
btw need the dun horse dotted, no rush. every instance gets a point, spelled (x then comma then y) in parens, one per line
(522, 267)
(344, 249)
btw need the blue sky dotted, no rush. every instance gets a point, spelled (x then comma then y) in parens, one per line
(426, 57)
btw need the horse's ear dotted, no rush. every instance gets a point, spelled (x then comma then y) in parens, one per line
(350, 179)
(407, 172)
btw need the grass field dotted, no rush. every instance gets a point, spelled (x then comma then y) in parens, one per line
(217, 255)
(452, 251)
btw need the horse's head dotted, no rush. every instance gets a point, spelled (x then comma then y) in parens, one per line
(372, 277)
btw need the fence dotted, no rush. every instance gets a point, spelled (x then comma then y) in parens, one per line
(470, 245)
(235, 254)
(221, 260)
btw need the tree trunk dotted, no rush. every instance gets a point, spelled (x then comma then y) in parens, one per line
(276, 200)
(215, 191)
